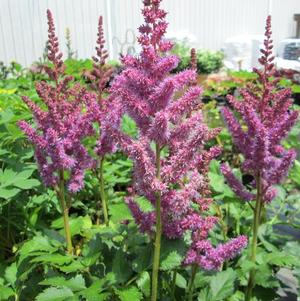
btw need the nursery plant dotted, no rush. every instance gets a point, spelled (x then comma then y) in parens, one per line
(99, 77)
(266, 119)
(207, 61)
(170, 159)
(124, 185)
(59, 152)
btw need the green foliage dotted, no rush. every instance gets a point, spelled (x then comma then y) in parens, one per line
(207, 61)
(114, 262)
(55, 294)
(222, 285)
(129, 294)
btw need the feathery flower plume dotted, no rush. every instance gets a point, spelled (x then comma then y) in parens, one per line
(101, 72)
(171, 121)
(106, 115)
(59, 130)
(266, 119)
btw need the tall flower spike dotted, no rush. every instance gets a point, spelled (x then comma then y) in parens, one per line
(58, 132)
(54, 55)
(100, 77)
(102, 72)
(59, 129)
(266, 111)
(106, 114)
(166, 111)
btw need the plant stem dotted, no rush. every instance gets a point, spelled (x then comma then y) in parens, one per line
(65, 211)
(191, 284)
(102, 192)
(255, 226)
(158, 233)
(173, 285)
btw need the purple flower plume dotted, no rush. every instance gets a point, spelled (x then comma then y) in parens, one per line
(166, 110)
(107, 113)
(59, 130)
(266, 119)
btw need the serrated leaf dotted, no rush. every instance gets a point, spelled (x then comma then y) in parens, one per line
(121, 267)
(38, 243)
(237, 296)
(263, 229)
(222, 284)
(92, 251)
(217, 180)
(76, 283)
(129, 294)
(55, 294)
(6, 292)
(201, 280)
(180, 281)
(95, 292)
(77, 224)
(264, 276)
(172, 260)
(247, 266)
(142, 260)
(204, 295)
(74, 266)
(143, 283)
(26, 183)
(144, 204)
(8, 193)
(11, 274)
(295, 172)
(55, 259)
(280, 259)
(119, 212)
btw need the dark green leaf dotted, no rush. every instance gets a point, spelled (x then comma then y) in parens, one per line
(55, 294)
(222, 284)
(129, 294)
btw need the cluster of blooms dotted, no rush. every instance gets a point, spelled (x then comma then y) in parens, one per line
(100, 77)
(166, 109)
(101, 73)
(266, 119)
(59, 129)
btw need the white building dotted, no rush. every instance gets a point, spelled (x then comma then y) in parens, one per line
(23, 26)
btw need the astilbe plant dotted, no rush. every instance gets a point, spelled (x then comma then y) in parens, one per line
(170, 158)
(58, 131)
(100, 77)
(266, 118)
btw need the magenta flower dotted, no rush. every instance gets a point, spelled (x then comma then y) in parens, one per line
(170, 155)
(59, 130)
(266, 119)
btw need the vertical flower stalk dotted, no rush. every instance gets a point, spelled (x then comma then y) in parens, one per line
(170, 155)
(266, 112)
(99, 77)
(57, 133)
(102, 193)
(190, 291)
(60, 191)
(158, 230)
(255, 225)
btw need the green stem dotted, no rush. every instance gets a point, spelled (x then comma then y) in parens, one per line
(173, 285)
(191, 284)
(65, 211)
(255, 226)
(102, 193)
(158, 233)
